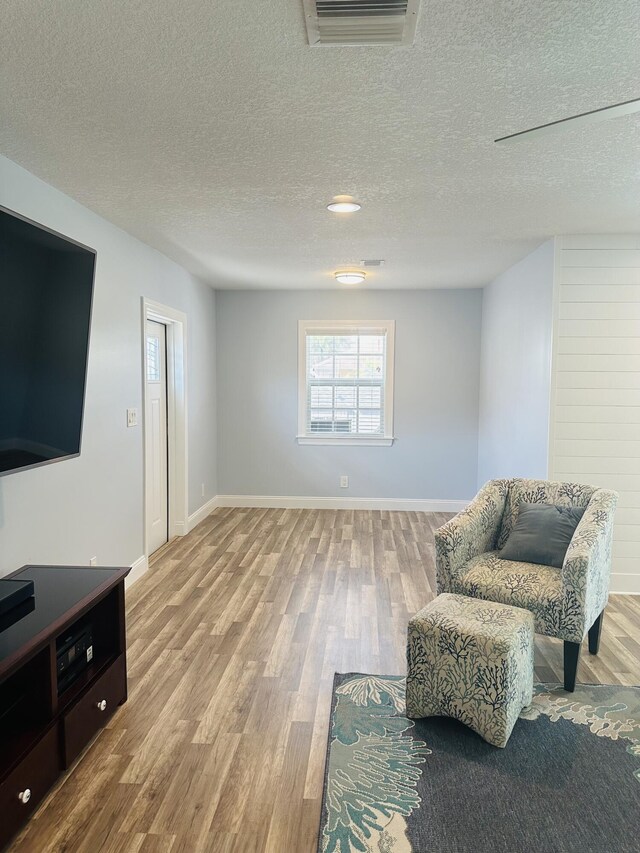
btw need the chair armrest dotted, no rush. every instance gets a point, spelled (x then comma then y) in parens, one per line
(472, 532)
(587, 566)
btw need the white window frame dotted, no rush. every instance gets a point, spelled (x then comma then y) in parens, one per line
(329, 328)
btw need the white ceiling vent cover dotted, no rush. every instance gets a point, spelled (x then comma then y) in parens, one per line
(361, 22)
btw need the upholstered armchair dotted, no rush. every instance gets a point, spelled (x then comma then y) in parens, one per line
(566, 603)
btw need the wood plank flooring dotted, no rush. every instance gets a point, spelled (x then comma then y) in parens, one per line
(234, 636)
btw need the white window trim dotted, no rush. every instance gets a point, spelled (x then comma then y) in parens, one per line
(385, 440)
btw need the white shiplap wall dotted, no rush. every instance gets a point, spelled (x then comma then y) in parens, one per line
(595, 406)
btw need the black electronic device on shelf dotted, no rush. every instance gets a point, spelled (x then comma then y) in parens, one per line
(74, 653)
(14, 593)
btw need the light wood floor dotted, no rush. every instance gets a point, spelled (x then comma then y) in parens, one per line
(234, 636)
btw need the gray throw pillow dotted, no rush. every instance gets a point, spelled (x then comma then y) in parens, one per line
(541, 534)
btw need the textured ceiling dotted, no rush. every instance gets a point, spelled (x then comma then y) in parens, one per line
(212, 131)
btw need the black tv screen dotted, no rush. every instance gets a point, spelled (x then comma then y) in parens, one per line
(46, 290)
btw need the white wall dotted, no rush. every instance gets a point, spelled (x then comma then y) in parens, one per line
(72, 510)
(515, 372)
(436, 396)
(596, 382)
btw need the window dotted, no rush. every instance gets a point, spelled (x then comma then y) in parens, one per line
(345, 373)
(153, 359)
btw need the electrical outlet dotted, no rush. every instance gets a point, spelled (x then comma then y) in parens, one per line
(344, 482)
(93, 561)
(132, 417)
(203, 490)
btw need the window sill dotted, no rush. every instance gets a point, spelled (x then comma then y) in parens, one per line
(346, 441)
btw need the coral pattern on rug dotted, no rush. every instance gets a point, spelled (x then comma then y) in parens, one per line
(373, 768)
(376, 761)
(608, 719)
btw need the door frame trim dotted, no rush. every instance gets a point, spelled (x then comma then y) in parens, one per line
(177, 449)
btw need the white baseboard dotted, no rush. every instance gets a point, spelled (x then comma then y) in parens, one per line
(291, 502)
(138, 569)
(624, 584)
(200, 514)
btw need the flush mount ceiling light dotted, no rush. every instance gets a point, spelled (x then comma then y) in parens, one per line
(343, 206)
(350, 276)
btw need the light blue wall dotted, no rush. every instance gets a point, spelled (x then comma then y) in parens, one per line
(436, 396)
(72, 510)
(515, 379)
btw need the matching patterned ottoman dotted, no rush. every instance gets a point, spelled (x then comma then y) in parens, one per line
(471, 660)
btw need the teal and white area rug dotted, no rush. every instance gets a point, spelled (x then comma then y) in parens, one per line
(568, 781)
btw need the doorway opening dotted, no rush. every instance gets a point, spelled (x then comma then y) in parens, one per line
(165, 424)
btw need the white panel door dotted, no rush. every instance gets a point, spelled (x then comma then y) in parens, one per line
(156, 435)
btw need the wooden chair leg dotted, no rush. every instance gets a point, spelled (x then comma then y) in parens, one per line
(571, 655)
(594, 635)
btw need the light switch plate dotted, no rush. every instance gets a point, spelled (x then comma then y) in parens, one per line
(132, 417)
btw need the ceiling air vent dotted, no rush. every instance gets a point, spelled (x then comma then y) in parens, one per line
(361, 22)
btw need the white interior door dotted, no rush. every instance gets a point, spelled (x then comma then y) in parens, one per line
(155, 432)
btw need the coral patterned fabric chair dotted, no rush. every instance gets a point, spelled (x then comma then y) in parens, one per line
(566, 603)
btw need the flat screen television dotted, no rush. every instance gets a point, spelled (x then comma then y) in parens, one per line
(46, 291)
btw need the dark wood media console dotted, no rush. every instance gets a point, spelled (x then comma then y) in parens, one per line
(44, 728)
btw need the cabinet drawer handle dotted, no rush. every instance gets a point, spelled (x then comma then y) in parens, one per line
(102, 705)
(25, 796)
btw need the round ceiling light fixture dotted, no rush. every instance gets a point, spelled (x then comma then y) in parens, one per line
(350, 276)
(343, 206)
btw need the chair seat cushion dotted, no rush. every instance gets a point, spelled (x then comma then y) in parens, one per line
(534, 587)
